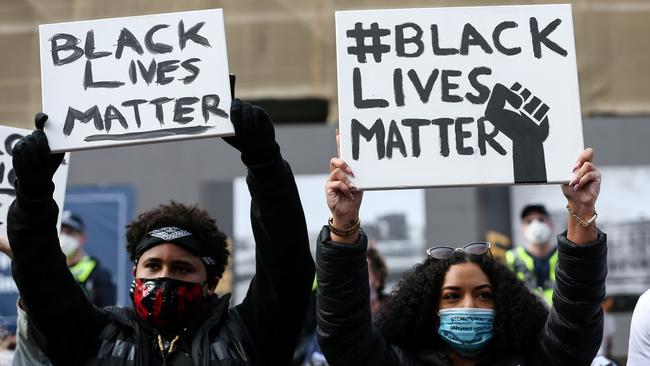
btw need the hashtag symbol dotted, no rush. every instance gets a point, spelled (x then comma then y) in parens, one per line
(361, 49)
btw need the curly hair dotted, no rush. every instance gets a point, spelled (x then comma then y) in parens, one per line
(187, 217)
(410, 318)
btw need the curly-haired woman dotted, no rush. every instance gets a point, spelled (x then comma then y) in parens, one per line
(460, 307)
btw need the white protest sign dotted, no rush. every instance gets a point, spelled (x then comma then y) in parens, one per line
(9, 136)
(135, 80)
(458, 96)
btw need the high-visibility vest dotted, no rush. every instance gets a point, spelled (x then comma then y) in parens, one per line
(81, 271)
(523, 265)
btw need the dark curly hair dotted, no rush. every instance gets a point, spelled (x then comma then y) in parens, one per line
(410, 319)
(187, 217)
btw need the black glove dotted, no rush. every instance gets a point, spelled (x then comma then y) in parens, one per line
(33, 163)
(254, 133)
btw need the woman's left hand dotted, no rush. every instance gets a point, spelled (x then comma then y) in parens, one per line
(582, 192)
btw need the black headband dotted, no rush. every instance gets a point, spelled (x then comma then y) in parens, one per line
(180, 237)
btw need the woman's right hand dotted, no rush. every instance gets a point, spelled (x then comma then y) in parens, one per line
(343, 199)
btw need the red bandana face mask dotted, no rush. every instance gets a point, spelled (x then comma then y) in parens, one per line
(166, 303)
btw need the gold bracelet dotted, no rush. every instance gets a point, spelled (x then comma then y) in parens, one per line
(344, 231)
(581, 221)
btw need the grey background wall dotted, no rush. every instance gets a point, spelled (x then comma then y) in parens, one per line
(195, 172)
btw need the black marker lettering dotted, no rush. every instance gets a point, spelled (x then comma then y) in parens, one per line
(415, 124)
(191, 34)
(187, 65)
(193, 130)
(377, 131)
(127, 39)
(471, 37)
(400, 41)
(423, 91)
(147, 73)
(394, 140)
(435, 43)
(11, 177)
(182, 107)
(398, 86)
(496, 38)
(133, 76)
(10, 141)
(152, 46)
(447, 86)
(443, 124)
(70, 44)
(112, 113)
(163, 68)
(83, 117)
(461, 135)
(483, 91)
(89, 47)
(135, 103)
(210, 104)
(542, 37)
(489, 137)
(89, 83)
(158, 102)
(359, 102)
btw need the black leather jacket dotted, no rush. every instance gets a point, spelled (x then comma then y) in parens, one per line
(262, 330)
(571, 335)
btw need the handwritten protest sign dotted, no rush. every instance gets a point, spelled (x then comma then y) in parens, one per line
(135, 80)
(458, 96)
(9, 136)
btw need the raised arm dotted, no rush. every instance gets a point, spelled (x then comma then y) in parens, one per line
(345, 330)
(55, 303)
(574, 330)
(277, 299)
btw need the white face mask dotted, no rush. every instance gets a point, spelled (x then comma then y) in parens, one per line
(537, 233)
(69, 244)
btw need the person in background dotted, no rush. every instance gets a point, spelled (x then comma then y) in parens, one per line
(377, 274)
(7, 342)
(535, 262)
(638, 352)
(93, 278)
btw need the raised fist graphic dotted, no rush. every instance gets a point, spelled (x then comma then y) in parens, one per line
(523, 118)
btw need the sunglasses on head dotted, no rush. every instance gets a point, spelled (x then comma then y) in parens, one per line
(476, 248)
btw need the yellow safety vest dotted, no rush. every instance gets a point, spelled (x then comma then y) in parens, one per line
(523, 265)
(82, 269)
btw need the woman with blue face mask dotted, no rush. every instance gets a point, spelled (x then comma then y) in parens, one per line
(460, 307)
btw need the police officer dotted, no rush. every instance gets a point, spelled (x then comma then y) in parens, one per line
(534, 263)
(93, 278)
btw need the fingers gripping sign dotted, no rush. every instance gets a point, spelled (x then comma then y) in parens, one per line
(581, 194)
(343, 198)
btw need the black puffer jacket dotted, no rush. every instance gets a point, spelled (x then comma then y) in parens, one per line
(262, 330)
(571, 335)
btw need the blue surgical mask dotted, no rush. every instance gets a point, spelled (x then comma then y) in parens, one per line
(466, 330)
